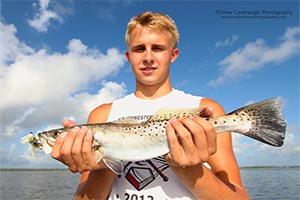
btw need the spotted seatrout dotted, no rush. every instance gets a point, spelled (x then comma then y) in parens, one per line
(126, 140)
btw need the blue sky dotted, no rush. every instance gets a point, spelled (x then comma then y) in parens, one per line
(60, 59)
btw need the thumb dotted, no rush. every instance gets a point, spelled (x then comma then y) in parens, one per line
(68, 123)
(207, 112)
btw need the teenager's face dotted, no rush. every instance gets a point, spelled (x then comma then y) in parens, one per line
(150, 55)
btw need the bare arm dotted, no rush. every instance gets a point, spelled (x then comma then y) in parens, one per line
(198, 144)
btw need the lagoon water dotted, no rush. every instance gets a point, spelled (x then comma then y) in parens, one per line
(261, 183)
(272, 183)
(58, 184)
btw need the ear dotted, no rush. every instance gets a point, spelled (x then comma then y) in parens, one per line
(175, 54)
(127, 56)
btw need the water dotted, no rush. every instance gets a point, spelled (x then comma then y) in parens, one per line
(272, 183)
(32, 185)
(261, 183)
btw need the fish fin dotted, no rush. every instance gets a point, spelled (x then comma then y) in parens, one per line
(46, 147)
(114, 165)
(98, 155)
(166, 114)
(268, 124)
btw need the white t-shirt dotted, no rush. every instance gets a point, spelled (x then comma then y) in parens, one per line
(149, 179)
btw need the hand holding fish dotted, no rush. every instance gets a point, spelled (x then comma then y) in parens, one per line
(191, 140)
(74, 149)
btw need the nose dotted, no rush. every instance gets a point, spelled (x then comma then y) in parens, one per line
(148, 60)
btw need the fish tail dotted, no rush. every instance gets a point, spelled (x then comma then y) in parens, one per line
(267, 121)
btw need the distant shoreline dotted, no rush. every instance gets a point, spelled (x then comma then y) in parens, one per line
(66, 169)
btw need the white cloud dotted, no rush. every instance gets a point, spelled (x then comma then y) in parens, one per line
(42, 88)
(256, 55)
(76, 46)
(45, 15)
(227, 42)
(11, 48)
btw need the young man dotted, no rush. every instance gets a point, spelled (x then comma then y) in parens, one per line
(200, 164)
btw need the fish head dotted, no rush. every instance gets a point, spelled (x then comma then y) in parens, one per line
(33, 141)
(48, 138)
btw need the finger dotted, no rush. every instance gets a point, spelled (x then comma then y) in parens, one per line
(66, 148)
(210, 134)
(87, 153)
(199, 152)
(77, 146)
(57, 146)
(169, 159)
(174, 145)
(204, 137)
(68, 123)
(185, 137)
(195, 130)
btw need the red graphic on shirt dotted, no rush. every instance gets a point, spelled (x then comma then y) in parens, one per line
(142, 173)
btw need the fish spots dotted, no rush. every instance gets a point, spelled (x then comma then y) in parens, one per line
(146, 129)
(132, 129)
(252, 112)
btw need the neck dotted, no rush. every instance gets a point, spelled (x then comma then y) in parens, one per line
(152, 92)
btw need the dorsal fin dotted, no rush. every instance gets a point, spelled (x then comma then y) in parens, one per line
(166, 114)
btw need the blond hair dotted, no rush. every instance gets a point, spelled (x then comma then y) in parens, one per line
(156, 21)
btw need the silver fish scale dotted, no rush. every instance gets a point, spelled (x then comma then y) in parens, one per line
(127, 141)
(240, 123)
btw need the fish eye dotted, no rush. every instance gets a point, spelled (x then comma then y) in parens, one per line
(55, 133)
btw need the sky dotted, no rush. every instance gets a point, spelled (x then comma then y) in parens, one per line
(61, 59)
